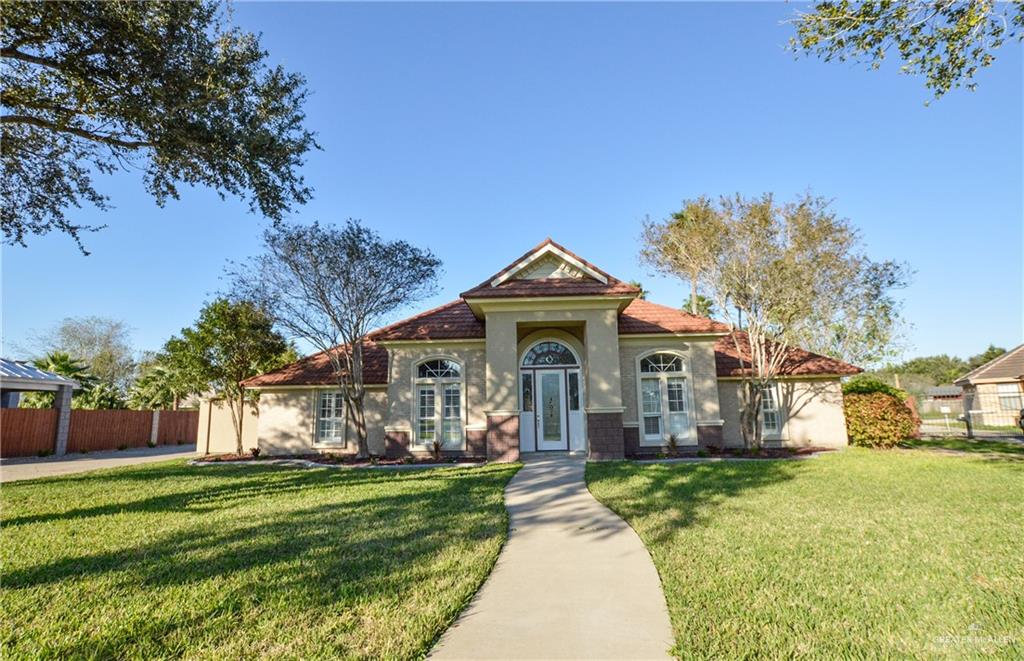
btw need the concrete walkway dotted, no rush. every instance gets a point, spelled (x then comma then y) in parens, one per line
(573, 581)
(27, 468)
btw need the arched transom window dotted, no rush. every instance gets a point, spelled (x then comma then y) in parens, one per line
(549, 353)
(437, 399)
(439, 369)
(664, 397)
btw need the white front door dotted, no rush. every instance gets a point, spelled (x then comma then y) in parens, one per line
(551, 410)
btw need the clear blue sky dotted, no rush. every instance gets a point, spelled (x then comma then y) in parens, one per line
(479, 129)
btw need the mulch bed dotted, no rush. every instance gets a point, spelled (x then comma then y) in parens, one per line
(334, 459)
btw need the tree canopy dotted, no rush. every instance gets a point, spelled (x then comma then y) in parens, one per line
(782, 276)
(945, 41)
(230, 342)
(168, 88)
(103, 344)
(330, 286)
(91, 393)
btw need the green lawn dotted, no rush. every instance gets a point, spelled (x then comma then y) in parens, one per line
(999, 449)
(855, 554)
(168, 560)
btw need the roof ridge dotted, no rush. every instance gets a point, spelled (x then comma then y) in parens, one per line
(990, 364)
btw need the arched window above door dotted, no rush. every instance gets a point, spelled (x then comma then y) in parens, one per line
(549, 353)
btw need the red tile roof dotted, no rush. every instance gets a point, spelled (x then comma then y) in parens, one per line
(552, 287)
(316, 370)
(642, 316)
(451, 321)
(798, 361)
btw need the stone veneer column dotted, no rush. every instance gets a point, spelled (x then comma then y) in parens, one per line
(62, 402)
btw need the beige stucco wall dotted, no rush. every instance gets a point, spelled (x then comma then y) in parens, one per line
(288, 422)
(215, 424)
(984, 398)
(397, 399)
(601, 348)
(700, 355)
(812, 412)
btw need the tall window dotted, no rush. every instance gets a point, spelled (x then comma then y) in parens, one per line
(1009, 396)
(438, 402)
(664, 397)
(771, 420)
(330, 422)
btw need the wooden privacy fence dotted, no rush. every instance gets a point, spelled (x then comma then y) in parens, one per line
(26, 432)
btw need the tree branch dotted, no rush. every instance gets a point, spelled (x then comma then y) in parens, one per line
(81, 133)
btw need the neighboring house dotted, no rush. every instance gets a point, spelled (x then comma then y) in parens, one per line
(549, 354)
(993, 392)
(938, 398)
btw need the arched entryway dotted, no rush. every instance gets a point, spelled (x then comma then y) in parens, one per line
(551, 398)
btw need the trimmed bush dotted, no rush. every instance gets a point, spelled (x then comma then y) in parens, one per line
(877, 419)
(865, 385)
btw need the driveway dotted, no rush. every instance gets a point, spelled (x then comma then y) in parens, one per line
(573, 580)
(27, 468)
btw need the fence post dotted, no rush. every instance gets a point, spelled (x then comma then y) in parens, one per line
(62, 402)
(155, 428)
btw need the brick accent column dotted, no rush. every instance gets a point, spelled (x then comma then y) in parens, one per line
(476, 442)
(710, 436)
(502, 438)
(396, 444)
(62, 402)
(605, 436)
(631, 441)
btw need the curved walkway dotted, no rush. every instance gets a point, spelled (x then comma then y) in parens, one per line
(573, 581)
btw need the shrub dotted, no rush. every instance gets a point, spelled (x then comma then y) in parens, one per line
(151, 443)
(865, 385)
(45, 452)
(435, 449)
(123, 446)
(672, 446)
(877, 419)
(255, 452)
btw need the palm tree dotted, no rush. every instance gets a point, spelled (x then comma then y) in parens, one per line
(58, 362)
(161, 386)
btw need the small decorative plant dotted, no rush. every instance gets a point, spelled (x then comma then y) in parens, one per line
(123, 446)
(673, 444)
(435, 449)
(45, 452)
(151, 443)
(255, 452)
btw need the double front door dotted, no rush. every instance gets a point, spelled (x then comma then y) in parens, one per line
(551, 417)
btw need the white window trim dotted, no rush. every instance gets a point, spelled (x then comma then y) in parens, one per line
(343, 441)
(439, 383)
(690, 437)
(769, 434)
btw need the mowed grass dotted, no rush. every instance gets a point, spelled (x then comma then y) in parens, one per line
(857, 554)
(170, 560)
(999, 449)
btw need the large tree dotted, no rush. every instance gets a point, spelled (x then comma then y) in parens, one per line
(230, 342)
(783, 276)
(946, 41)
(331, 286)
(683, 244)
(103, 344)
(168, 88)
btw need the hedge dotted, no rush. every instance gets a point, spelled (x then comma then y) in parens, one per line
(864, 385)
(878, 420)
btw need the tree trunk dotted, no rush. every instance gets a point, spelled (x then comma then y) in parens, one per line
(355, 407)
(238, 415)
(174, 404)
(693, 296)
